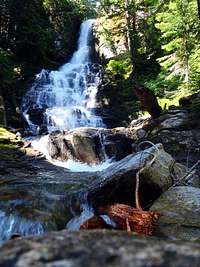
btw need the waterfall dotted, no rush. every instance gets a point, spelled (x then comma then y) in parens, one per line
(60, 100)
(66, 99)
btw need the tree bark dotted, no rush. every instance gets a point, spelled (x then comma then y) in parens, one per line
(3, 118)
(132, 37)
(198, 7)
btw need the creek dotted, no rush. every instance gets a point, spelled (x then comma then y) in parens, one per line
(61, 100)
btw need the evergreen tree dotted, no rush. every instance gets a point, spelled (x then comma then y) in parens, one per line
(178, 25)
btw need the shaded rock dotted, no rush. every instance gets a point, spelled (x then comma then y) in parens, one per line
(180, 207)
(36, 115)
(172, 119)
(188, 100)
(177, 130)
(117, 145)
(98, 248)
(117, 182)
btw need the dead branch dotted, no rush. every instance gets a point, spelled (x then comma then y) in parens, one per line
(148, 164)
(187, 173)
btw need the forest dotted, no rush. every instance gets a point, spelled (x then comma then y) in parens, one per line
(153, 42)
(99, 133)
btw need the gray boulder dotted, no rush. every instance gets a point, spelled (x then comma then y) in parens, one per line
(177, 130)
(89, 145)
(117, 182)
(180, 209)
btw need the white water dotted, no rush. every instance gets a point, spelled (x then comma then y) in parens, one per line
(13, 224)
(41, 145)
(67, 97)
(75, 223)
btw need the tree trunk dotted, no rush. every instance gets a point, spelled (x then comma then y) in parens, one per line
(3, 119)
(132, 36)
(198, 6)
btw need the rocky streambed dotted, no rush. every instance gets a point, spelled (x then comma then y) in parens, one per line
(38, 197)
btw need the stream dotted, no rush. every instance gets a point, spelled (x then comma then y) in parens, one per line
(44, 199)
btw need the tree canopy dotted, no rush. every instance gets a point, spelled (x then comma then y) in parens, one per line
(155, 42)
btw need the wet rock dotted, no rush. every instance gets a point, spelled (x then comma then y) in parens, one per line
(36, 115)
(58, 148)
(89, 145)
(99, 249)
(180, 207)
(82, 145)
(86, 145)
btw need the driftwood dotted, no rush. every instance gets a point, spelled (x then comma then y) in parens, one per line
(132, 219)
(125, 218)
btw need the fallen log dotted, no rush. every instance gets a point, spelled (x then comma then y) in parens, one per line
(132, 219)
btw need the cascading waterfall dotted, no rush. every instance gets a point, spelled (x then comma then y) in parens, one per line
(66, 98)
(60, 100)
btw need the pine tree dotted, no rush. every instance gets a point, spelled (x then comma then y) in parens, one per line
(178, 25)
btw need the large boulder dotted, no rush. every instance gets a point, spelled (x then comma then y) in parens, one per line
(89, 145)
(180, 209)
(117, 182)
(99, 249)
(82, 145)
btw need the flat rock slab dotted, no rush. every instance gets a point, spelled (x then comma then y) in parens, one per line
(97, 249)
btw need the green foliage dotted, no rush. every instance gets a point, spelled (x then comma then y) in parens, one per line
(161, 86)
(195, 69)
(120, 66)
(6, 67)
(178, 23)
(129, 26)
(170, 25)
